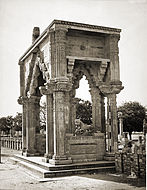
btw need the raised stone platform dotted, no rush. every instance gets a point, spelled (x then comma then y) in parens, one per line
(45, 170)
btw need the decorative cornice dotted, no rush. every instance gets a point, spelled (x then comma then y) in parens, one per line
(68, 25)
(84, 25)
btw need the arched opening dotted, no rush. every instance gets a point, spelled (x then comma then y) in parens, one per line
(84, 105)
(83, 91)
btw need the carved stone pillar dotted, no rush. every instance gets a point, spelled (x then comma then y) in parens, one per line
(49, 127)
(52, 53)
(22, 78)
(49, 122)
(110, 91)
(114, 127)
(32, 124)
(61, 63)
(22, 102)
(73, 113)
(103, 128)
(96, 108)
(108, 126)
(120, 123)
(24, 128)
(59, 156)
(114, 58)
(67, 112)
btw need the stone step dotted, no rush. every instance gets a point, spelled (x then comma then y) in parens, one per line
(109, 157)
(38, 162)
(64, 172)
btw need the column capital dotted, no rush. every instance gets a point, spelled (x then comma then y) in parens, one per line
(108, 89)
(46, 90)
(32, 99)
(61, 84)
(62, 87)
(22, 100)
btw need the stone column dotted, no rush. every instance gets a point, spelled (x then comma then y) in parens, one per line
(49, 127)
(96, 108)
(49, 121)
(24, 128)
(120, 123)
(114, 127)
(22, 78)
(108, 124)
(59, 156)
(110, 91)
(22, 101)
(32, 124)
(103, 130)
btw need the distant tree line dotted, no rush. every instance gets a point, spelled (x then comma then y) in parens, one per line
(11, 123)
(133, 114)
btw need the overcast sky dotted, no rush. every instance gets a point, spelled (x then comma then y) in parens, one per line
(18, 17)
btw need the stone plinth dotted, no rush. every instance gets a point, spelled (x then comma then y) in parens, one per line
(85, 148)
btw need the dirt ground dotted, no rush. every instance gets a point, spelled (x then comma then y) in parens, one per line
(13, 176)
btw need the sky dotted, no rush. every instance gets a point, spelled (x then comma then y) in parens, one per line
(18, 17)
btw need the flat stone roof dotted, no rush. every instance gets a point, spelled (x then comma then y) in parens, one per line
(69, 25)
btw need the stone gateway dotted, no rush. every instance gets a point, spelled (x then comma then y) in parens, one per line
(53, 66)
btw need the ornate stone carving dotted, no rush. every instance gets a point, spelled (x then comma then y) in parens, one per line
(43, 66)
(21, 100)
(102, 70)
(70, 65)
(110, 88)
(32, 99)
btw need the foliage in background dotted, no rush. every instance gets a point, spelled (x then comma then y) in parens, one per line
(11, 123)
(133, 114)
(84, 111)
(17, 122)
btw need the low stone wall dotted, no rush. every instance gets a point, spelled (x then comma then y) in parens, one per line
(130, 163)
(85, 148)
(12, 142)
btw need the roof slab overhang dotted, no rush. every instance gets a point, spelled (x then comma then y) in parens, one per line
(68, 25)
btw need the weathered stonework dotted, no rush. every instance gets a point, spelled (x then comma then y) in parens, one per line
(53, 66)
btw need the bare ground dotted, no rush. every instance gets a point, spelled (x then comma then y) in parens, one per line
(13, 176)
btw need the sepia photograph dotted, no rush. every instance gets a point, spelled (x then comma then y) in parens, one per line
(73, 101)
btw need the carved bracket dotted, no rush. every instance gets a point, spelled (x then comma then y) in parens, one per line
(107, 89)
(102, 70)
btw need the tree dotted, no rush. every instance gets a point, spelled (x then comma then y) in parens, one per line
(133, 114)
(17, 122)
(84, 111)
(6, 123)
